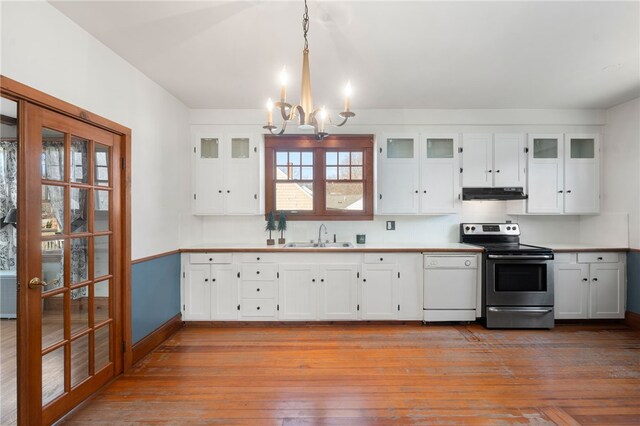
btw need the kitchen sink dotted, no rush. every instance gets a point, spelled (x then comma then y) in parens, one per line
(315, 245)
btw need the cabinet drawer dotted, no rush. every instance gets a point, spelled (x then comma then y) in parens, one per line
(258, 272)
(564, 257)
(259, 289)
(380, 258)
(211, 258)
(598, 257)
(257, 257)
(258, 307)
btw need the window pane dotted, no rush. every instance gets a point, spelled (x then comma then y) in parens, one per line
(294, 196)
(52, 209)
(281, 158)
(240, 148)
(52, 375)
(79, 360)
(101, 165)
(399, 148)
(100, 302)
(101, 211)
(52, 154)
(343, 158)
(343, 173)
(356, 158)
(332, 158)
(332, 173)
(439, 148)
(79, 209)
(307, 158)
(102, 354)
(582, 148)
(356, 173)
(79, 260)
(209, 148)
(295, 173)
(79, 166)
(307, 173)
(344, 196)
(79, 309)
(294, 158)
(545, 148)
(101, 256)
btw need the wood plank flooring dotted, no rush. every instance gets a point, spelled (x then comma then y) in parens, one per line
(379, 375)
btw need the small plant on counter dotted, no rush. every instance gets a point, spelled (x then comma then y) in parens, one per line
(282, 226)
(271, 226)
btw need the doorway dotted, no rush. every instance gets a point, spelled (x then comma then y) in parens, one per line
(72, 258)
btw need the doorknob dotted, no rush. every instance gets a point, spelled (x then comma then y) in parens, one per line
(35, 282)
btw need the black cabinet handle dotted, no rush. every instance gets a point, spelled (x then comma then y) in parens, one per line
(381, 259)
(424, 191)
(313, 280)
(497, 171)
(599, 258)
(257, 258)
(219, 191)
(211, 259)
(490, 170)
(585, 279)
(213, 280)
(594, 279)
(258, 272)
(257, 289)
(322, 280)
(364, 280)
(560, 192)
(416, 191)
(258, 307)
(206, 280)
(568, 191)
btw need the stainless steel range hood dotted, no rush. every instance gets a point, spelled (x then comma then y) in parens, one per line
(509, 193)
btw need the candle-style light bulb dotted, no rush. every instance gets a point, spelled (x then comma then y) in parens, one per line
(347, 95)
(322, 116)
(284, 79)
(269, 111)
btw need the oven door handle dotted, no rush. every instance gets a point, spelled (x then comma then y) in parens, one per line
(524, 311)
(521, 257)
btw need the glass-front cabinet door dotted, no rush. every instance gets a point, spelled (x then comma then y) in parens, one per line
(398, 174)
(582, 178)
(546, 173)
(439, 173)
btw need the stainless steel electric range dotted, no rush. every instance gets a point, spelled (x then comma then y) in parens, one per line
(517, 282)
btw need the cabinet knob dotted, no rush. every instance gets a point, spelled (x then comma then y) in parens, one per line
(568, 191)
(228, 192)
(206, 280)
(585, 279)
(599, 258)
(416, 191)
(258, 308)
(381, 259)
(213, 280)
(594, 279)
(219, 191)
(497, 171)
(257, 258)
(257, 289)
(211, 259)
(560, 192)
(322, 280)
(490, 170)
(258, 272)
(364, 280)
(425, 191)
(313, 280)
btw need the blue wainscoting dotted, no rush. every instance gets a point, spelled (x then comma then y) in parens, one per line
(633, 282)
(155, 294)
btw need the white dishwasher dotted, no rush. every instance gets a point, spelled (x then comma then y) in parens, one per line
(450, 287)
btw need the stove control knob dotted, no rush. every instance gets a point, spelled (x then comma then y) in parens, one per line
(473, 228)
(467, 228)
(514, 227)
(508, 228)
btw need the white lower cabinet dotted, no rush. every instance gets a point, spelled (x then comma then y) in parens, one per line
(589, 285)
(380, 288)
(210, 293)
(338, 292)
(298, 292)
(410, 286)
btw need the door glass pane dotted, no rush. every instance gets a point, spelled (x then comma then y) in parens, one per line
(79, 260)
(307, 173)
(79, 210)
(294, 196)
(332, 159)
(344, 196)
(79, 309)
(101, 163)
(102, 355)
(101, 211)
(79, 157)
(439, 148)
(545, 148)
(52, 375)
(307, 158)
(52, 264)
(582, 148)
(79, 360)
(400, 148)
(101, 256)
(240, 148)
(52, 320)
(100, 301)
(356, 158)
(209, 148)
(52, 209)
(52, 160)
(332, 173)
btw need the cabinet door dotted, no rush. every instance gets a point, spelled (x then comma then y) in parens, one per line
(571, 286)
(476, 160)
(241, 177)
(397, 175)
(581, 171)
(338, 292)
(298, 292)
(545, 183)
(439, 174)
(224, 293)
(197, 293)
(379, 299)
(410, 286)
(607, 292)
(207, 175)
(508, 160)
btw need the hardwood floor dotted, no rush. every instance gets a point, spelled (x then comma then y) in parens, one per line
(379, 375)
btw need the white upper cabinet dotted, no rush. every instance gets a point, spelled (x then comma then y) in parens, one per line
(564, 174)
(493, 160)
(439, 173)
(398, 176)
(226, 174)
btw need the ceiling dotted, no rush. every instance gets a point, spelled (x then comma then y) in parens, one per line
(397, 54)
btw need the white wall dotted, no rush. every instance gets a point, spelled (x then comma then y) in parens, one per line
(621, 157)
(536, 229)
(44, 49)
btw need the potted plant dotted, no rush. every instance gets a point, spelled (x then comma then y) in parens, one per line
(282, 226)
(271, 226)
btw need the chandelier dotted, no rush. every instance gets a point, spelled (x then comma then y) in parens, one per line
(308, 117)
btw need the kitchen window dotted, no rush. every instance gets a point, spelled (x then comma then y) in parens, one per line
(309, 179)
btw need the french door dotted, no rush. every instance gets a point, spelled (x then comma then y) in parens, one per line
(71, 185)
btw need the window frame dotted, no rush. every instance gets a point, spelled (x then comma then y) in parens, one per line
(331, 143)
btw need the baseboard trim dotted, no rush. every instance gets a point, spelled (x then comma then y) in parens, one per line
(155, 338)
(632, 319)
(296, 323)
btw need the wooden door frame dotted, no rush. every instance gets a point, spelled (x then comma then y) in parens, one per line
(22, 93)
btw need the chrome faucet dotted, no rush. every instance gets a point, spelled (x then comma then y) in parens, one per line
(320, 243)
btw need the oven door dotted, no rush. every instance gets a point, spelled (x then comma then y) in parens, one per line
(519, 280)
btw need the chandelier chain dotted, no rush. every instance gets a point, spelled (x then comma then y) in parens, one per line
(305, 26)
